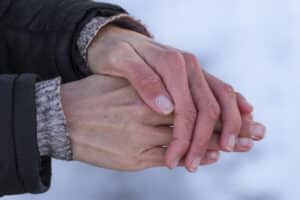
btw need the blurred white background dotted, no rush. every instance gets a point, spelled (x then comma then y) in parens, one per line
(255, 46)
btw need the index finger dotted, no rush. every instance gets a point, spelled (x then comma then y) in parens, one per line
(170, 66)
(208, 113)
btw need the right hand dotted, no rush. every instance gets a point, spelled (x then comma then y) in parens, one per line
(171, 81)
(111, 127)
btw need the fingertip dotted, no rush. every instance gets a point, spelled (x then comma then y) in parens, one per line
(172, 160)
(258, 131)
(211, 157)
(176, 152)
(194, 157)
(169, 162)
(193, 165)
(228, 142)
(244, 144)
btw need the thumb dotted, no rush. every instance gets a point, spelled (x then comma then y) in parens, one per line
(149, 86)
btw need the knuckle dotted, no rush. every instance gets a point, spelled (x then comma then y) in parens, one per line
(141, 112)
(191, 57)
(187, 120)
(173, 58)
(235, 124)
(228, 90)
(193, 61)
(147, 82)
(189, 114)
(132, 131)
(171, 54)
(213, 111)
(121, 48)
(116, 51)
(199, 144)
(151, 81)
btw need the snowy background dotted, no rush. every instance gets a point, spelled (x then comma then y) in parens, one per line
(255, 46)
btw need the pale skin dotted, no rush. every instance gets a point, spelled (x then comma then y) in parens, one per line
(111, 127)
(171, 81)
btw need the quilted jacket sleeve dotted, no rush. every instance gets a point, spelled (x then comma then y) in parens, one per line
(37, 39)
(39, 36)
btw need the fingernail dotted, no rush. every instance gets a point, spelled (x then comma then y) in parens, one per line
(164, 104)
(195, 164)
(175, 164)
(231, 143)
(213, 155)
(257, 131)
(245, 142)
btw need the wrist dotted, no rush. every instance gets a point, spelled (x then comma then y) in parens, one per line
(92, 29)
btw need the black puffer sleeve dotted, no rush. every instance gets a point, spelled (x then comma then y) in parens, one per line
(22, 169)
(39, 36)
(36, 37)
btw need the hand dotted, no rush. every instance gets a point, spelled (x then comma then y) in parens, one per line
(111, 127)
(170, 80)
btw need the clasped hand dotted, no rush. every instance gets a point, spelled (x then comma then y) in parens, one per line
(152, 105)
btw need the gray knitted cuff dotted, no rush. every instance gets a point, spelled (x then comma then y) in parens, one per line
(52, 132)
(92, 28)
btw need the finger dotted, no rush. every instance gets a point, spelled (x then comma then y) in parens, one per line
(142, 112)
(155, 158)
(231, 117)
(250, 128)
(147, 83)
(244, 106)
(210, 157)
(171, 66)
(253, 130)
(248, 116)
(243, 144)
(245, 110)
(208, 113)
(209, 162)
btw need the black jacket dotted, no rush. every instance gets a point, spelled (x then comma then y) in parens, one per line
(37, 42)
